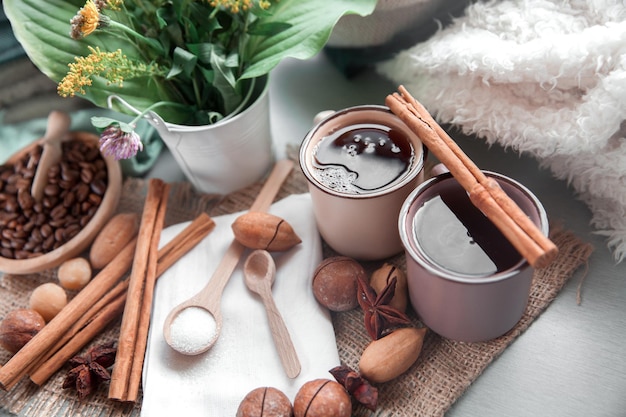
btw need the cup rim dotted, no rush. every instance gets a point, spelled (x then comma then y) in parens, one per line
(440, 272)
(414, 171)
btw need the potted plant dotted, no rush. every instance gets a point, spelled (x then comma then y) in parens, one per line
(188, 66)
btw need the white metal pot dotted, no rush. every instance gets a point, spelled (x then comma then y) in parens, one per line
(225, 156)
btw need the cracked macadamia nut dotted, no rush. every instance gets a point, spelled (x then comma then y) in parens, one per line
(335, 283)
(265, 402)
(322, 398)
(18, 327)
(48, 299)
(74, 273)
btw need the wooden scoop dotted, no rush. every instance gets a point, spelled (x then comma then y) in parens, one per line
(259, 274)
(56, 131)
(209, 298)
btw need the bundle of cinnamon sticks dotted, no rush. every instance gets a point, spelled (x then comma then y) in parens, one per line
(109, 294)
(484, 192)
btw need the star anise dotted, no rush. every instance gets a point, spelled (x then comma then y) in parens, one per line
(380, 317)
(356, 385)
(90, 370)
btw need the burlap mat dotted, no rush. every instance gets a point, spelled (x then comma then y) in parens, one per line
(443, 372)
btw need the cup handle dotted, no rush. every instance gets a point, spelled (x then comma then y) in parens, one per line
(439, 169)
(321, 116)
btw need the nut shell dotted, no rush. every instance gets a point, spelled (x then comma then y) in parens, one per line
(389, 357)
(18, 327)
(265, 402)
(112, 238)
(382, 276)
(335, 283)
(259, 230)
(322, 398)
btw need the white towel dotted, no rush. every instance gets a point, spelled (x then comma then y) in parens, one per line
(546, 78)
(244, 357)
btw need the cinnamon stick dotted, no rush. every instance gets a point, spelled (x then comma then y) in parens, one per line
(484, 192)
(144, 265)
(17, 367)
(108, 311)
(134, 377)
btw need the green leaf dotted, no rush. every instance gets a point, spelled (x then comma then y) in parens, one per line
(311, 23)
(268, 29)
(224, 81)
(102, 122)
(184, 62)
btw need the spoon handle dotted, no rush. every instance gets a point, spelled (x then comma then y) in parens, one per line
(284, 345)
(56, 129)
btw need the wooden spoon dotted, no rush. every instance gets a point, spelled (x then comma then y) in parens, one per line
(56, 131)
(259, 274)
(209, 298)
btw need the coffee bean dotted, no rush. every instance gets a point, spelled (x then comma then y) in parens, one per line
(95, 199)
(68, 200)
(98, 186)
(29, 226)
(71, 231)
(18, 244)
(46, 230)
(58, 212)
(11, 205)
(36, 235)
(39, 219)
(51, 190)
(56, 223)
(25, 199)
(49, 201)
(82, 192)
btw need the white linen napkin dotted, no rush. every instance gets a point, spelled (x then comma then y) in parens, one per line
(244, 356)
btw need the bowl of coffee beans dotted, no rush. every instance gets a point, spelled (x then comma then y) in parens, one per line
(81, 194)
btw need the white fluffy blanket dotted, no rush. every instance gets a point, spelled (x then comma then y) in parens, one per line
(545, 78)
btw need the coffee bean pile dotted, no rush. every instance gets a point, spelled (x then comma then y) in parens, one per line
(76, 186)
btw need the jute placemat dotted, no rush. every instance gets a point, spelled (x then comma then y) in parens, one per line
(443, 372)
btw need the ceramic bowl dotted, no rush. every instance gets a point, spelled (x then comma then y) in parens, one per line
(87, 234)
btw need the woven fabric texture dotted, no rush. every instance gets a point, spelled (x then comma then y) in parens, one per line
(444, 370)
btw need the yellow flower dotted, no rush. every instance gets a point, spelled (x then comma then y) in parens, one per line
(235, 6)
(87, 20)
(113, 66)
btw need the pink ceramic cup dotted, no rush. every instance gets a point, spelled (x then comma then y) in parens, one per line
(361, 223)
(455, 290)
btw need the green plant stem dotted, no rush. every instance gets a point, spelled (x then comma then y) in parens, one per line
(154, 106)
(133, 34)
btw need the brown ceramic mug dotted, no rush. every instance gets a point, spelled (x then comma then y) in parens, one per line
(466, 281)
(361, 163)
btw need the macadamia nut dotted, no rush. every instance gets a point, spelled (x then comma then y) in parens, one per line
(335, 283)
(265, 402)
(48, 299)
(74, 273)
(322, 398)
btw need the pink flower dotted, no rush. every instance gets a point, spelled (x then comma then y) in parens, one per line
(119, 144)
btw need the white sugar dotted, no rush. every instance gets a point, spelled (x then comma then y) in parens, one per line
(193, 329)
